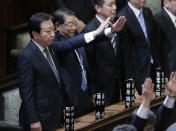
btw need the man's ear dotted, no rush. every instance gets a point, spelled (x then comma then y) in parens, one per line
(57, 26)
(35, 35)
(98, 8)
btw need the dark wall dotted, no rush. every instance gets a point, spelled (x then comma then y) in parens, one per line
(13, 13)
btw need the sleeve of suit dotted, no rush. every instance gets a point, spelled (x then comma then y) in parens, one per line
(26, 81)
(76, 42)
(164, 113)
(138, 122)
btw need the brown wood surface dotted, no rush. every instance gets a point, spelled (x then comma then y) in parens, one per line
(114, 115)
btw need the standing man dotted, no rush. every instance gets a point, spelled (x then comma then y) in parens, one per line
(103, 57)
(40, 76)
(138, 43)
(166, 21)
(79, 88)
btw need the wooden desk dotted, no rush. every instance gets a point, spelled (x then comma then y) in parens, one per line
(114, 115)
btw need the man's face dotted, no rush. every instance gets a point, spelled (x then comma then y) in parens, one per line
(46, 35)
(108, 9)
(68, 28)
(171, 6)
(138, 3)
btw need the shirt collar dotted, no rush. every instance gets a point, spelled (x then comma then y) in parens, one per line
(135, 10)
(173, 18)
(99, 19)
(38, 45)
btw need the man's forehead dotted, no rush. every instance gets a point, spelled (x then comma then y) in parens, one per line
(70, 18)
(109, 1)
(47, 24)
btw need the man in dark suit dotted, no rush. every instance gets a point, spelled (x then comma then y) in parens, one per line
(166, 22)
(103, 57)
(138, 43)
(79, 88)
(40, 76)
(165, 110)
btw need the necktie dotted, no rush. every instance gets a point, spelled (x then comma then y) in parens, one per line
(51, 63)
(114, 44)
(84, 78)
(142, 23)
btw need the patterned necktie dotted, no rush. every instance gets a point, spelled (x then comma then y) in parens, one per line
(51, 63)
(142, 23)
(84, 78)
(114, 44)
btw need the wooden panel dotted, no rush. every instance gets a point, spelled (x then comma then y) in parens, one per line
(114, 115)
(13, 13)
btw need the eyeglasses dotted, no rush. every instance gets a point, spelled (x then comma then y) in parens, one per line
(70, 24)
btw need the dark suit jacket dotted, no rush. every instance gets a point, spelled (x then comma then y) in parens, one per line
(103, 64)
(136, 50)
(73, 73)
(82, 8)
(40, 92)
(167, 40)
(162, 119)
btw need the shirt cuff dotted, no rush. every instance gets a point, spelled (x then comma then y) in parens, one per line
(89, 37)
(142, 112)
(108, 33)
(169, 102)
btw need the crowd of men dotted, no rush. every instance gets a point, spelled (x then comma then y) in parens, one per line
(66, 65)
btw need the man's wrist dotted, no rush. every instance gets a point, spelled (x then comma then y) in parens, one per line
(172, 95)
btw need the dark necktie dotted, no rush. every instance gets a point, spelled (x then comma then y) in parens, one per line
(51, 63)
(84, 78)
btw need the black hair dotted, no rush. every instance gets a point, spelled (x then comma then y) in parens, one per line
(34, 23)
(125, 127)
(97, 2)
(59, 15)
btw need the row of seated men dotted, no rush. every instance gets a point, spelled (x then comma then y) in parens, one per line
(56, 70)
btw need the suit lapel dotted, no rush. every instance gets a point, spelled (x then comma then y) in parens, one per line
(109, 44)
(168, 21)
(41, 58)
(133, 21)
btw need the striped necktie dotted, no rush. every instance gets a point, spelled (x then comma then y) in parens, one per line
(51, 63)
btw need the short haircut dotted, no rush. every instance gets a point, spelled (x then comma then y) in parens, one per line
(97, 2)
(125, 127)
(34, 23)
(59, 15)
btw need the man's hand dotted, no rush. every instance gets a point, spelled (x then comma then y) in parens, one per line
(118, 25)
(80, 25)
(93, 98)
(101, 28)
(147, 91)
(36, 126)
(171, 85)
